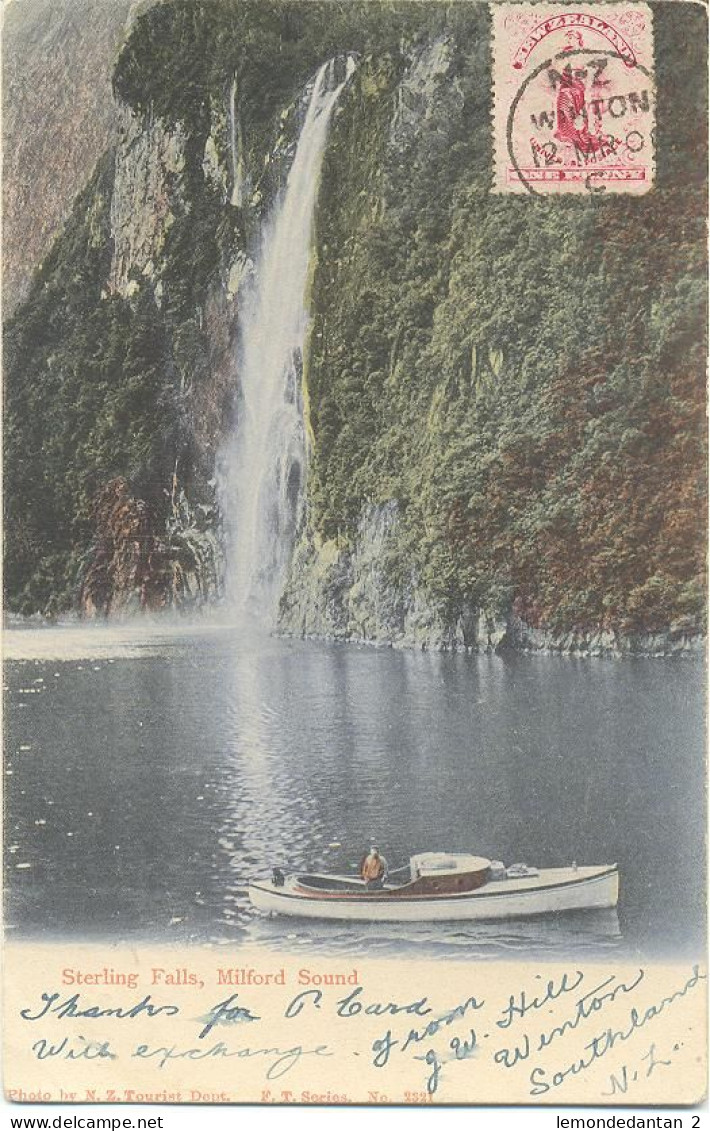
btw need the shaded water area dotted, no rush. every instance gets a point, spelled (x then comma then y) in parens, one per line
(150, 772)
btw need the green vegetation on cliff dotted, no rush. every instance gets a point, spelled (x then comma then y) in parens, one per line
(88, 395)
(525, 377)
(102, 385)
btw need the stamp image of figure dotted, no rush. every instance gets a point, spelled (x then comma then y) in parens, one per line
(574, 98)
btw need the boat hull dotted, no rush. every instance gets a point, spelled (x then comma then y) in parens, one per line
(552, 891)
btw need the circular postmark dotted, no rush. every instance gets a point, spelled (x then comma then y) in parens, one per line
(582, 121)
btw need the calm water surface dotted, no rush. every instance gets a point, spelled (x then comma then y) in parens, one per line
(150, 773)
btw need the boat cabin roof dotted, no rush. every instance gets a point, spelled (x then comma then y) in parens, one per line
(447, 863)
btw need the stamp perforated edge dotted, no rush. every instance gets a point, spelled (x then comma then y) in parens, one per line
(501, 100)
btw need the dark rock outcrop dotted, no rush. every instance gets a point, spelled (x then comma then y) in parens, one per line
(134, 566)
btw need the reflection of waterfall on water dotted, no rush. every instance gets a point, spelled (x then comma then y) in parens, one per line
(265, 466)
(270, 817)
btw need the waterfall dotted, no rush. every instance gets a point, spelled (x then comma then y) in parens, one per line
(265, 466)
(236, 148)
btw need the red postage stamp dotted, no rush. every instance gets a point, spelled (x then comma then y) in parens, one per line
(574, 98)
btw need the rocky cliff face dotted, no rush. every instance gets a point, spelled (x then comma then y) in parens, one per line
(150, 160)
(348, 593)
(355, 594)
(137, 565)
(360, 588)
(58, 118)
(452, 500)
(481, 474)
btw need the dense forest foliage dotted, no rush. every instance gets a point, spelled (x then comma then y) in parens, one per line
(524, 376)
(101, 387)
(87, 394)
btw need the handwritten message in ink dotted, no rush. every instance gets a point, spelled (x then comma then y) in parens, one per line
(423, 1033)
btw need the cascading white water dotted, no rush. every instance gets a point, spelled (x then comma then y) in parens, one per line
(265, 465)
(235, 147)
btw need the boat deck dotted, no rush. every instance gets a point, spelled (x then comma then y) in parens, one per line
(317, 886)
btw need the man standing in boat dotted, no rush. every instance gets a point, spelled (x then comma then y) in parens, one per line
(373, 869)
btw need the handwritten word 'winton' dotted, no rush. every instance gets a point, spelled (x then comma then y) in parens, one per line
(590, 1002)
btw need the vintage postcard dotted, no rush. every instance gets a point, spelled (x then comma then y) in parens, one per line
(355, 485)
